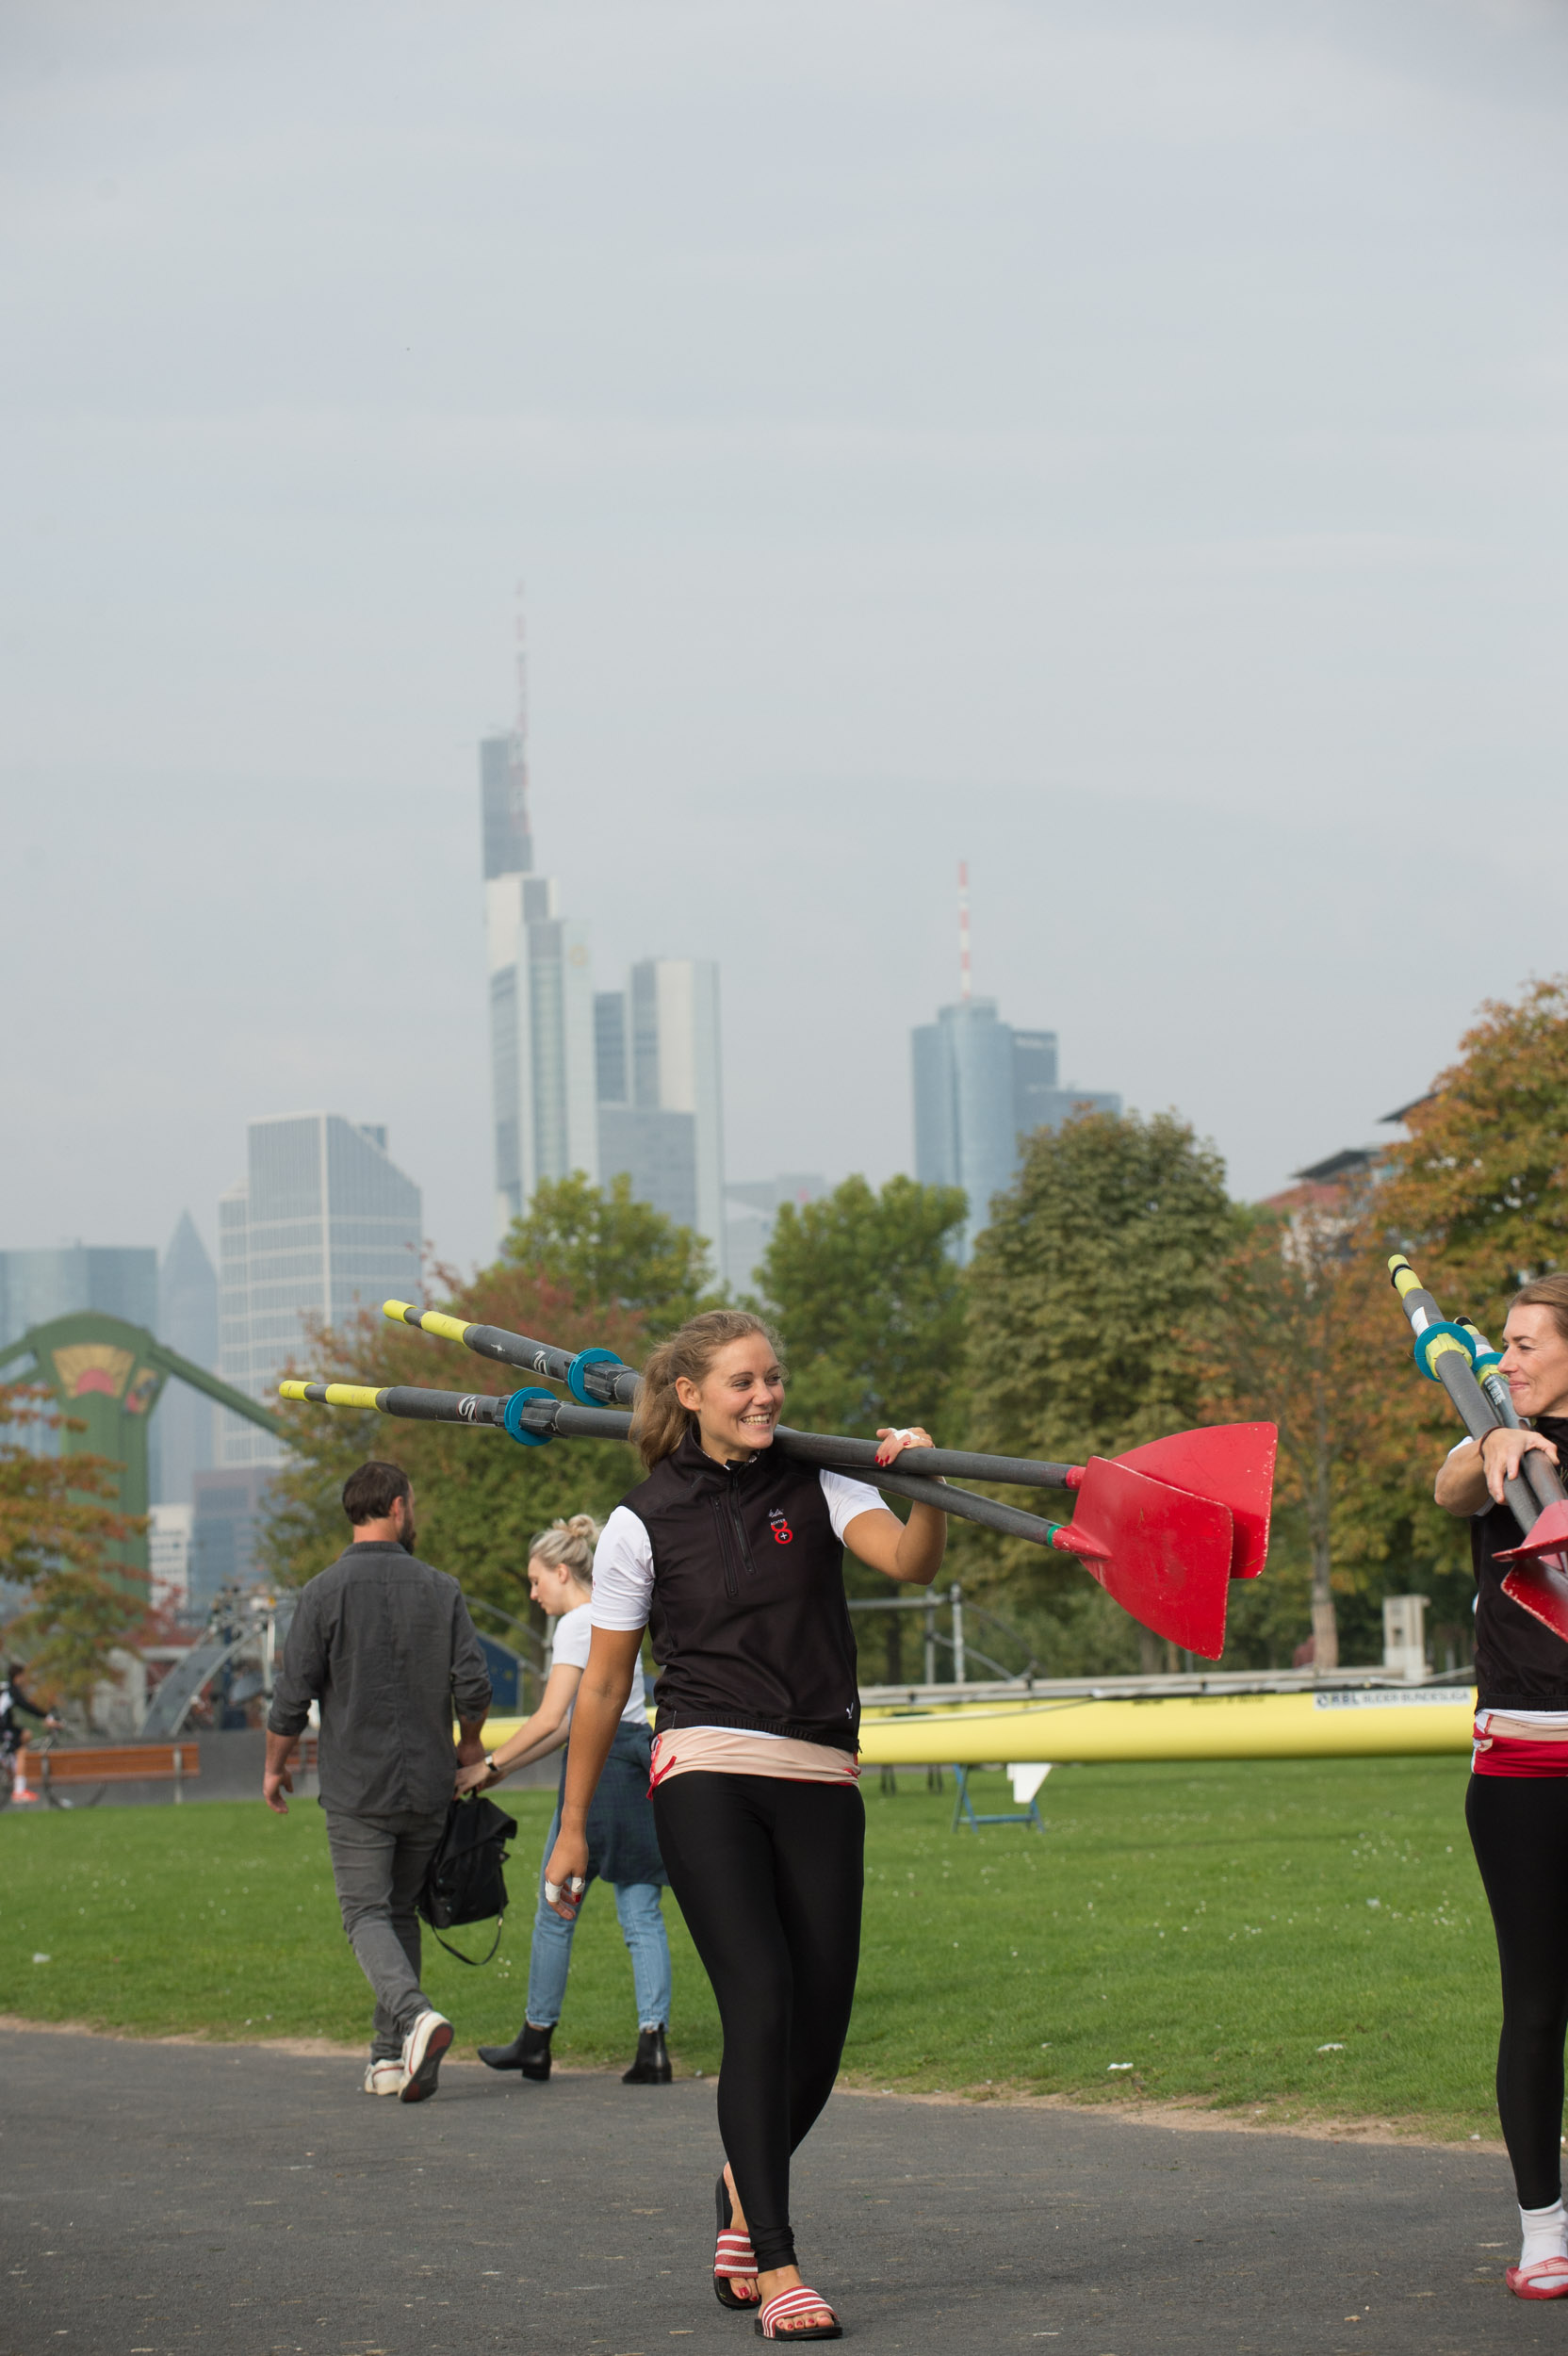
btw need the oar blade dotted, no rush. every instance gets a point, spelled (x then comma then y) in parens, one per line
(1163, 1553)
(1537, 1573)
(1231, 1462)
(1540, 1585)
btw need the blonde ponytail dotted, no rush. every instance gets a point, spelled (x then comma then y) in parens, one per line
(659, 1421)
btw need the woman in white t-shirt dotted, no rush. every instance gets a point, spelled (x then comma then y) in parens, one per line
(623, 1846)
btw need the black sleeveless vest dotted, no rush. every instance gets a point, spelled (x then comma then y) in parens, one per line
(748, 1621)
(1519, 1663)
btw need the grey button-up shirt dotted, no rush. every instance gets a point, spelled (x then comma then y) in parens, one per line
(385, 1644)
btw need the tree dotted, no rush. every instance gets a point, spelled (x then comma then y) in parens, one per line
(1480, 1190)
(479, 1496)
(1304, 1343)
(1093, 1304)
(869, 1302)
(601, 1250)
(57, 1519)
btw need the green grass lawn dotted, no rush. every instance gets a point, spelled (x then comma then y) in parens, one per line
(1215, 1926)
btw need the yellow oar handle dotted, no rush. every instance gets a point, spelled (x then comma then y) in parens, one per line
(428, 1320)
(332, 1394)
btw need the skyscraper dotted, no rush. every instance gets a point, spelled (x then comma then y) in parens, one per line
(541, 1073)
(38, 1286)
(661, 1108)
(180, 1437)
(981, 1089)
(322, 1224)
(544, 1102)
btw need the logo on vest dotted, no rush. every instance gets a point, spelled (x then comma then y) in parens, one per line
(782, 1534)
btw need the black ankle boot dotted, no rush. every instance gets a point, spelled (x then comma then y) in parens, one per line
(530, 2052)
(652, 2065)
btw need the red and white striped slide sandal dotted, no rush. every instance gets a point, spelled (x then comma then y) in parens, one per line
(801, 2300)
(1547, 2278)
(734, 2260)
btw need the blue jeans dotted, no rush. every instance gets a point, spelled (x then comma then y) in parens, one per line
(637, 1905)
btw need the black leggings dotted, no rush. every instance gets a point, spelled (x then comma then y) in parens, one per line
(1519, 1831)
(768, 1876)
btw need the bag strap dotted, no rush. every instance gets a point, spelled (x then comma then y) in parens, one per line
(458, 1952)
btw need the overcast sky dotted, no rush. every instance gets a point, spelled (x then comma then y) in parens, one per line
(1119, 443)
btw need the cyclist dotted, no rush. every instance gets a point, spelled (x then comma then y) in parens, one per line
(13, 1701)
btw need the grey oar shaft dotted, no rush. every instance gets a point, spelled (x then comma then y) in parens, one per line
(961, 1504)
(952, 1464)
(603, 1423)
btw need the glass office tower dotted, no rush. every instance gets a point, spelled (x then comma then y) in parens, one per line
(324, 1224)
(981, 1090)
(661, 1093)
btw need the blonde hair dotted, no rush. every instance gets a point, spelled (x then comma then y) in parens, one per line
(1547, 1292)
(659, 1421)
(568, 1546)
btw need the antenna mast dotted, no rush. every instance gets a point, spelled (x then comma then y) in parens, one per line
(964, 977)
(516, 762)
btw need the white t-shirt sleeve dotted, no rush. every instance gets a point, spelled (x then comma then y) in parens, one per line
(623, 1573)
(574, 1633)
(847, 1498)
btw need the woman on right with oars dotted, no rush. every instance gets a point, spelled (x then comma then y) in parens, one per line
(732, 1555)
(1517, 1804)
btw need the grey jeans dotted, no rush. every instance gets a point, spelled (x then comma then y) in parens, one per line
(378, 1865)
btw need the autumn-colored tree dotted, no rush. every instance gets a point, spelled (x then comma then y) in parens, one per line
(58, 1520)
(1478, 1195)
(1307, 1342)
(480, 1496)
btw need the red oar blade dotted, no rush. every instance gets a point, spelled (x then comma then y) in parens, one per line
(1165, 1555)
(1549, 1535)
(1539, 1576)
(1540, 1586)
(1231, 1462)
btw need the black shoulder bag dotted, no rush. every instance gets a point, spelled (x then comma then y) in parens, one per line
(464, 1881)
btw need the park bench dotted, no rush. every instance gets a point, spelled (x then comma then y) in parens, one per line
(97, 1765)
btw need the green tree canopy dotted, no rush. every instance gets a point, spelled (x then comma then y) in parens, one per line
(1094, 1299)
(868, 1303)
(1094, 1292)
(603, 1252)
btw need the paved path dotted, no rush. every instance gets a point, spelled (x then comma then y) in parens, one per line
(157, 2197)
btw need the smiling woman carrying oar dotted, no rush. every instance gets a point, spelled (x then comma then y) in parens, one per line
(1517, 1804)
(730, 1554)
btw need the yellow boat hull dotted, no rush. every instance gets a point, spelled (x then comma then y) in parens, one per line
(1364, 1725)
(1367, 1725)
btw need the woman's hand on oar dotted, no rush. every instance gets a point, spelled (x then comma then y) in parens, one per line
(893, 1439)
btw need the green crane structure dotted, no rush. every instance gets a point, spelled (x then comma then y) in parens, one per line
(107, 1377)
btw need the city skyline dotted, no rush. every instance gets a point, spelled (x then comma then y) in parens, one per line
(1119, 452)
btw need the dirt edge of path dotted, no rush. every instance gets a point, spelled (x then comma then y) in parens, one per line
(1195, 2114)
(1190, 2116)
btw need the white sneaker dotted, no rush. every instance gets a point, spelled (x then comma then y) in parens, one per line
(422, 2050)
(386, 2077)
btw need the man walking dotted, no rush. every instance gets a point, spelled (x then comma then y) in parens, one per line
(386, 1645)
